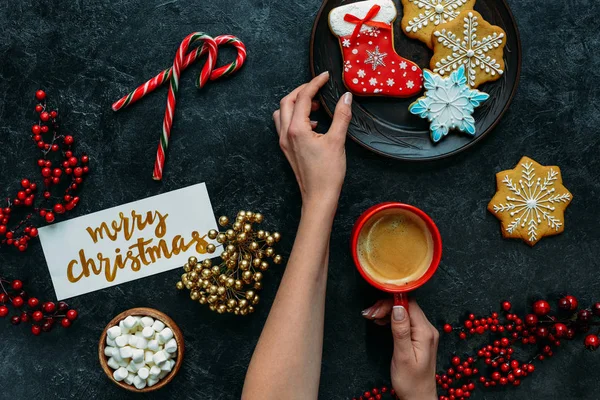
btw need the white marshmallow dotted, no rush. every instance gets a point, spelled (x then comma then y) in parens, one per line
(120, 374)
(137, 355)
(133, 340)
(113, 363)
(147, 321)
(126, 352)
(108, 351)
(159, 357)
(123, 363)
(139, 382)
(113, 333)
(135, 367)
(171, 346)
(141, 343)
(148, 332)
(129, 379)
(139, 334)
(143, 373)
(153, 345)
(123, 328)
(148, 356)
(152, 381)
(167, 365)
(130, 322)
(155, 371)
(117, 355)
(110, 342)
(165, 335)
(158, 326)
(163, 374)
(123, 340)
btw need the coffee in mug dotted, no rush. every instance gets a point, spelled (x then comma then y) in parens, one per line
(395, 247)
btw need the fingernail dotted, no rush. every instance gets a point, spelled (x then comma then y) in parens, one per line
(375, 312)
(324, 73)
(366, 311)
(314, 122)
(399, 313)
(348, 98)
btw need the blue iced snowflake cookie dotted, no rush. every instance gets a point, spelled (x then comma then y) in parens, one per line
(448, 103)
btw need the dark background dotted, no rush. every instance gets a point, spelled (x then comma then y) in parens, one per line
(88, 53)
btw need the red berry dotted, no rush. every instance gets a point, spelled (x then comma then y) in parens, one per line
(3, 297)
(68, 140)
(3, 311)
(49, 217)
(44, 116)
(506, 306)
(17, 284)
(37, 316)
(36, 129)
(85, 159)
(24, 317)
(15, 320)
(36, 330)
(33, 232)
(78, 171)
(49, 307)
(72, 161)
(46, 172)
(584, 315)
(65, 322)
(45, 128)
(455, 360)
(596, 309)
(62, 306)
(40, 95)
(17, 301)
(59, 208)
(72, 315)
(447, 328)
(53, 114)
(47, 326)
(39, 108)
(541, 331)
(560, 330)
(462, 335)
(592, 342)
(33, 302)
(573, 302)
(531, 320)
(541, 308)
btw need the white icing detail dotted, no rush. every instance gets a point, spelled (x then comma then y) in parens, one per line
(434, 11)
(355, 81)
(346, 43)
(410, 84)
(468, 51)
(373, 81)
(375, 58)
(402, 65)
(354, 51)
(361, 73)
(414, 68)
(347, 66)
(365, 89)
(370, 42)
(532, 201)
(390, 82)
(360, 9)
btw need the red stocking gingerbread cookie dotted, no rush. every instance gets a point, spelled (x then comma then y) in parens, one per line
(371, 65)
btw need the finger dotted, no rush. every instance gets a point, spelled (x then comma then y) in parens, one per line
(287, 109)
(314, 124)
(382, 322)
(314, 106)
(342, 117)
(403, 348)
(423, 333)
(384, 309)
(304, 100)
(368, 313)
(277, 120)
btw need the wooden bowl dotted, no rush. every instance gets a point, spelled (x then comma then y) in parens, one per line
(142, 312)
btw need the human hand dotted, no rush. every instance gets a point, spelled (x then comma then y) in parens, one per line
(415, 348)
(318, 161)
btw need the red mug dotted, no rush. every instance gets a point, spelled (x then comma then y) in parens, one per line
(400, 292)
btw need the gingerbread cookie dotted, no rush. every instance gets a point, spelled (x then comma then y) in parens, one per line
(448, 103)
(422, 17)
(371, 65)
(530, 201)
(471, 41)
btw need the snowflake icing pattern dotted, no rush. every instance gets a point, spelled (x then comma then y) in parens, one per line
(533, 202)
(469, 51)
(347, 66)
(435, 11)
(448, 103)
(346, 43)
(375, 58)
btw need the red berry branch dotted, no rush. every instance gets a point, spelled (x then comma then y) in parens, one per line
(60, 169)
(495, 364)
(42, 316)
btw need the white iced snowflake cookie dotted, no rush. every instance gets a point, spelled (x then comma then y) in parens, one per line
(422, 17)
(448, 103)
(530, 202)
(471, 41)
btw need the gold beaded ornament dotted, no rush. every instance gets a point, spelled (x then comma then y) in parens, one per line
(231, 285)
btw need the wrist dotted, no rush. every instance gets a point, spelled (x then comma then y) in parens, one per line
(323, 207)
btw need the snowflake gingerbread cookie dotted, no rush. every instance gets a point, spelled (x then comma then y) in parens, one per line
(471, 41)
(422, 17)
(530, 201)
(371, 65)
(448, 103)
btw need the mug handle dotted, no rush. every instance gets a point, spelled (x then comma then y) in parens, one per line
(401, 299)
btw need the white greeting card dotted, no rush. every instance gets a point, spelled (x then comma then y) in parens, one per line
(128, 242)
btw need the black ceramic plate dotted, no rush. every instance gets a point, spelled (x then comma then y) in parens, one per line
(384, 125)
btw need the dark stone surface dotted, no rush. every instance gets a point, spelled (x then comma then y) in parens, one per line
(87, 53)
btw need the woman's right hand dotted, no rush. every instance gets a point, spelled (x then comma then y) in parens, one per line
(318, 161)
(415, 349)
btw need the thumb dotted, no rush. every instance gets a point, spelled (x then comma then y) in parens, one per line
(403, 348)
(342, 116)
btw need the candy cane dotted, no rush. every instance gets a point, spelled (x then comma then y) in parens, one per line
(191, 57)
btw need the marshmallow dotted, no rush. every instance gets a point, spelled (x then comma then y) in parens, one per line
(158, 326)
(130, 322)
(163, 374)
(141, 343)
(123, 363)
(138, 382)
(153, 345)
(124, 329)
(126, 352)
(135, 367)
(147, 321)
(139, 334)
(113, 333)
(159, 357)
(143, 373)
(167, 365)
(120, 374)
(110, 342)
(152, 381)
(129, 379)
(137, 355)
(108, 351)
(123, 340)
(165, 335)
(133, 340)
(148, 333)
(113, 363)
(171, 346)
(155, 371)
